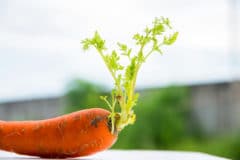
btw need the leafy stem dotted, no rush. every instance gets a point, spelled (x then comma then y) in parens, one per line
(125, 76)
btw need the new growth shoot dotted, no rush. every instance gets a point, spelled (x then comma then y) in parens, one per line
(123, 95)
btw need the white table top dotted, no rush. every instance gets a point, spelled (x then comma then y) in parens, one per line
(127, 155)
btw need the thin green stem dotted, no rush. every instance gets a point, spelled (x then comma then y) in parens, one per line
(109, 68)
(148, 54)
(112, 73)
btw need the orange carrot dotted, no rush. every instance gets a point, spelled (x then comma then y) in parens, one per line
(76, 134)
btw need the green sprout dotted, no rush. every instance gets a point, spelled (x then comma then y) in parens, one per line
(123, 94)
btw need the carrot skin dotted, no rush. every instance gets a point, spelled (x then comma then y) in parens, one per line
(76, 134)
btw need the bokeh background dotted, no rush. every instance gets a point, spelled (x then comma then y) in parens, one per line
(189, 97)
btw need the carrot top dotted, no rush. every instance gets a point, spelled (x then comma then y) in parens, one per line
(123, 94)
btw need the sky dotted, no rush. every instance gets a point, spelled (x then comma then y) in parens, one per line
(40, 48)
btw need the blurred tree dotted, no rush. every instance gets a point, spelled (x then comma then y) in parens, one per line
(235, 150)
(162, 119)
(82, 94)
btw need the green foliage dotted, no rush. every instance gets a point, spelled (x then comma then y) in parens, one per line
(125, 50)
(113, 61)
(96, 41)
(83, 94)
(162, 120)
(171, 39)
(235, 148)
(125, 76)
(224, 146)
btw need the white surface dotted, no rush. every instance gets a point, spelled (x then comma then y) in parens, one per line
(128, 155)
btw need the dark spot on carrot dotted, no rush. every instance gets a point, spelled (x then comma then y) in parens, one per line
(95, 121)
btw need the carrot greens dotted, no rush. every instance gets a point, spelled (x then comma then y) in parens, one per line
(123, 95)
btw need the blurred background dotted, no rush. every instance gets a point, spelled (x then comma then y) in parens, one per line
(189, 97)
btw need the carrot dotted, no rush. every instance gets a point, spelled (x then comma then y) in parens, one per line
(76, 134)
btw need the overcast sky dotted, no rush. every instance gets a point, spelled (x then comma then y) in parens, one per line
(40, 43)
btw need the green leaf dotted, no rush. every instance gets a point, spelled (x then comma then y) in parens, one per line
(86, 43)
(123, 47)
(138, 38)
(135, 99)
(98, 41)
(147, 30)
(141, 58)
(171, 39)
(166, 22)
(131, 69)
(118, 80)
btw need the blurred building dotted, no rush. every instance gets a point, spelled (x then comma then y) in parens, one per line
(31, 109)
(216, 106)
